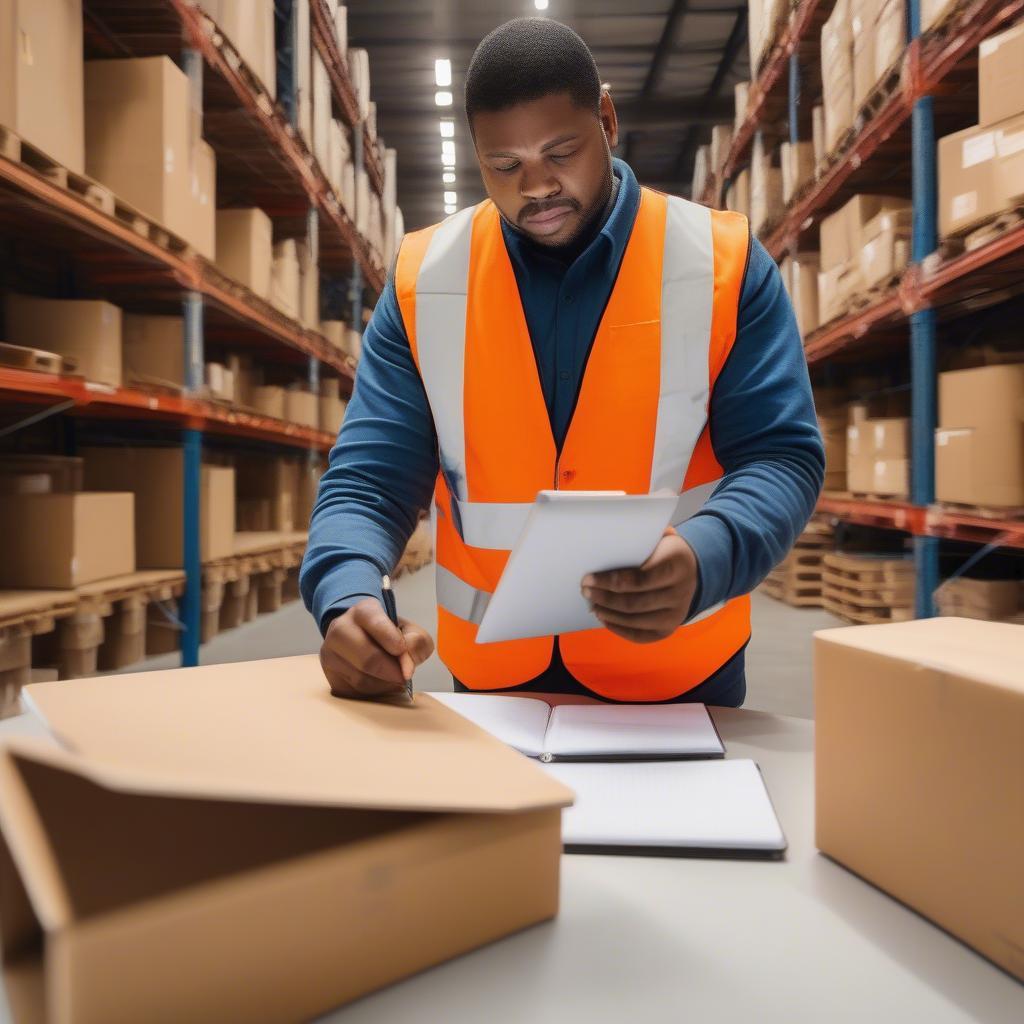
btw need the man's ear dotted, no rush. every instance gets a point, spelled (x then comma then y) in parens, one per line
(609, 118)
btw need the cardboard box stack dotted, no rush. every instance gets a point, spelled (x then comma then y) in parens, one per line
(738, 195)
(765, 186)
(285, 278)
(87, 331)
(844, 236)
(891, 704)
(721, 142)
(764, 19)
(267, 494)
(141, 142)
(934, 12)
(332, 405)
(979, 445)
(796, 580)
(156, 479)
(999, 600)
(868, 588)
(879, 38)
(245, 248)
(981, 169)
(800, 278)
(41, 77)
(832, 419)
(154, 350)
(837, 74)
(878, 457)
(798, 164)
(741, 95)
(249, 24)
(301, 406)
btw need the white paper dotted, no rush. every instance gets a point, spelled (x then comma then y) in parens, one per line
(698, 805)
(520, 722)
(567, 536)
(621, 730)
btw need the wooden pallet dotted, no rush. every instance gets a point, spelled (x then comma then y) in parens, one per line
(869, 570)
(974, 236)
(798, 596)
(865, 616)
(982, 512)
(866, 596)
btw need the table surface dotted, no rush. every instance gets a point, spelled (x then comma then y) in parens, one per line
(648, 939)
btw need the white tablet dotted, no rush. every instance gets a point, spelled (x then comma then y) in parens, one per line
(567, 535)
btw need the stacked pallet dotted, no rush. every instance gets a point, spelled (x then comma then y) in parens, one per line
(796, 580)
(868, 588)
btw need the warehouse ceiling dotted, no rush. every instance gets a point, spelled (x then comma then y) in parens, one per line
(671, 66)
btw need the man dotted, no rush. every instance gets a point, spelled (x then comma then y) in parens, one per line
(574, 331)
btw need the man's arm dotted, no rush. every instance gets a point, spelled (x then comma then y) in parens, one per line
(765, 435)
(381, 474)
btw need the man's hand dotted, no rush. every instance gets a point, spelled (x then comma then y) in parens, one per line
(647, 604)
(364, 655)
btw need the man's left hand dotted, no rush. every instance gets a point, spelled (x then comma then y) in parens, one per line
(650, 603)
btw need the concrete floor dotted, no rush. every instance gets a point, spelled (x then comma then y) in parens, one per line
(778, 659)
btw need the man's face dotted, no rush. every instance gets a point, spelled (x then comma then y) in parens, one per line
(546, 164)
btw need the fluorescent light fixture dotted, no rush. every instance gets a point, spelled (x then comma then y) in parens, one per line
(447, 129)
(448, 177)
(448, 148)
(443, 99)
(541, 5)
(443, 71)
(451, 199)
(449, 209)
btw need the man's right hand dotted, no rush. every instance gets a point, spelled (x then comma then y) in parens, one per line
(365, 656)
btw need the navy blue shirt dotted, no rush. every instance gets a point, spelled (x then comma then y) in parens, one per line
(762, 421)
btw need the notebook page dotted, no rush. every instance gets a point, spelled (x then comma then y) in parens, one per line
(700, 805)
(632, 731)
(519, 722)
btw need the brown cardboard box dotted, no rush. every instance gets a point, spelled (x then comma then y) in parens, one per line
(800, 276)
(979, 446)
(85, 330)
(220, 381)
(890, 35)
(336, 332)
(273, 480)
(739, 193)
(285, 287)
(989, 600)
(741, 97)
(891, 478)
(245, 248)
(890, 438)
(202, 232)
(833, 433)
(288, 858)
(765, 187)
(1001, 76)
(154, 350)
(885, 246)
(842, 232)
(269, 400)
(919, 770)
(830, 297)
(721, 142)
(864, 17)
(877, 456)
(138, 137)
(249, 24)
(859, 459)
(41, 77)
(701, 170)
(65, 540)
(301, 407)
(837, 74)
(332, 413)
(933, 12)
(797, 167)
(309, 289)
(156, 477)
(61, 474)
(818, 134)
(321, 112)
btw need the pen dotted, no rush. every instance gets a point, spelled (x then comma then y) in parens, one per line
(392, 609)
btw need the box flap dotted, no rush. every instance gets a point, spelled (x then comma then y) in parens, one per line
(271, 731)
(989, 652)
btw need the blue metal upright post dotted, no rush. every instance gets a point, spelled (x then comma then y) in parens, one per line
(794, 98)
(923, 361)
(191, 605)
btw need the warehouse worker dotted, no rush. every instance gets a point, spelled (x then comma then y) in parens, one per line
(579, 327)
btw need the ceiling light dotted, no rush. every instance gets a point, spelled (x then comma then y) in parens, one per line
(448, 148)
(443, 71)
(449, 209)
(451, 199)
(447, 129)
(443, 99)
(541, 5)
(448, 177)
(447, 159)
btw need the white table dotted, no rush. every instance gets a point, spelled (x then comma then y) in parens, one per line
(651, 940)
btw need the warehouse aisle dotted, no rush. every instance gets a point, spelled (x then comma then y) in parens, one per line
(779, 657)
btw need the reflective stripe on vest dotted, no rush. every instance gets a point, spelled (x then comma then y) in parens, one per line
(640, 425)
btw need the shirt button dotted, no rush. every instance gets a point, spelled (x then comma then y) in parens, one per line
(568, 475)
(568, 300)
(564, 375)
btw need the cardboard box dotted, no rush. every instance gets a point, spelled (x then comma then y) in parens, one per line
(877, 456)
(981, 170)
(802, 283)
(202, 232)
(321, 112)
(154, 350)
(830, 297)
(220, 381)
(273, 480)
(833, 433)
(797, 167)
(138, 137)
(818, 134)
(245, 248)
(890, 438)
(156, 478)
(842, 232)
(1001, 76)
(765, 187)
(61, 474)
(269, 400)
(979, 446)
(332, 413)
(65, 540)
(837, 74)
(249, 24)
(701, 170)
(280, 869)
(919, 771)
(891, 478)
(934, 12)
(309, 289)
(989, 600)
(721, 143)
(885, 246)
(41, 77)
(864, 17)
(741, 96)
(86, 330)
(738, 195)
(285, 285)
(890, 35)
(301, 407)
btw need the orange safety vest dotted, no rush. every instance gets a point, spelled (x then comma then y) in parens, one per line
(640, 425)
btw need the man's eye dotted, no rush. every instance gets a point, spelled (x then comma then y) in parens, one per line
(506, 170)
(562, 156)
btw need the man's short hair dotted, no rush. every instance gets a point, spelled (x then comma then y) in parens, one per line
(527, 59)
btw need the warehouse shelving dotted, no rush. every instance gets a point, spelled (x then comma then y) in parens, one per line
(896, 131)
(112, 252)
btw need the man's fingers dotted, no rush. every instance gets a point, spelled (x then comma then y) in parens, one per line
(346, 680)
(363, 651)
(636, 636)
(633, 602)
(660, 622)
(417, 641)
(370, 615)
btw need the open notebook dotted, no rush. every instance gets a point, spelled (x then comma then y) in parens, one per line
(592, 732)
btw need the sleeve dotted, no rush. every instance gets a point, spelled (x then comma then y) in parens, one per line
(765, 435)
(379, 477)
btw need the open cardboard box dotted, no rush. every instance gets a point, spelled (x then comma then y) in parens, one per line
(232, 843)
